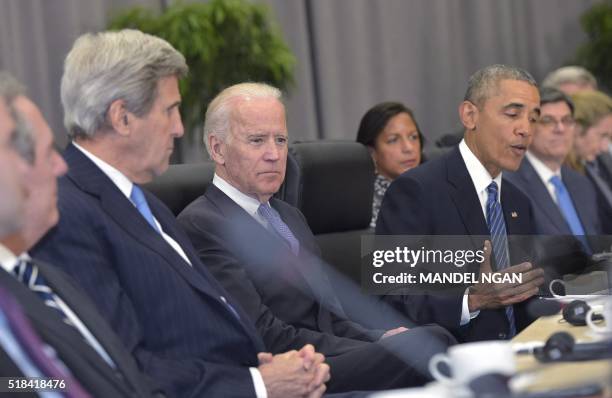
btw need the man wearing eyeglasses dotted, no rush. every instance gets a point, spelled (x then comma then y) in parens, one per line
(564, 201)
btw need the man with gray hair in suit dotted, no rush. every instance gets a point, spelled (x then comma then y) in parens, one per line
(121, 101)
(62, 315)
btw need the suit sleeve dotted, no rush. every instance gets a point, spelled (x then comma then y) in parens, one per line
(81, 247)
(341, 325)
(405, 210)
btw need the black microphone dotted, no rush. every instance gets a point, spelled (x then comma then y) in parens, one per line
(495, 385)
(561, 347)
(575, 313)
(543, 307)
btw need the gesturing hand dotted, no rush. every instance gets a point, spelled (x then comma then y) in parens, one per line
(495, 295)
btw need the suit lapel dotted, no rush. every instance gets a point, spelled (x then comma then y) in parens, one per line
(87, 176)
(463, 194)
(85, 311)
(238, 216)
(91, 179)
(542, 198)
(47, 323)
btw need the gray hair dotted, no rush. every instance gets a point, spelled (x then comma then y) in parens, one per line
(23, 139)
(218, 114)
(570, 74)
(107, 66)
(10, 88)
(482, 83)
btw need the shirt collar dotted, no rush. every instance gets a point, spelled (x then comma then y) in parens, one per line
(248, 203)
(479, 175)
(117, 177)
(7, 258)
(543, 171)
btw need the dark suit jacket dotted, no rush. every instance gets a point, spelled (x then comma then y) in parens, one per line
(293, 303)
(86, 365)
(600, 181)
(168, 314)
(559, 252)
(231, 242)
(547, 216)
(438, 198)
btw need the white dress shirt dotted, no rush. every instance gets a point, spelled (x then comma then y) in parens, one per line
(125, 186)
(545, 174)
(481, 180)
(480, 176)
(248, 203)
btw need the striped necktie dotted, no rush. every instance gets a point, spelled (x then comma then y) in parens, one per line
(28, 273)
(499, 240)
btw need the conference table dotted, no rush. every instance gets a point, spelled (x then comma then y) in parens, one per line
(548, 376)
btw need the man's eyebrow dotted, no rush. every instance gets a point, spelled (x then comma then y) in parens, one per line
(516, 105)
(176, 104)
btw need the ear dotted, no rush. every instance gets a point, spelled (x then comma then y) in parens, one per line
(468, 114)
(119, 117)
(373, 155)
(217, 149)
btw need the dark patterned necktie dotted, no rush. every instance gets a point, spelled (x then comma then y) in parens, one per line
(273, 218)
(499, 240)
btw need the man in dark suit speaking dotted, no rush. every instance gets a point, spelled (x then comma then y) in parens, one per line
(264, 254)
(463, 193)
(121, 103)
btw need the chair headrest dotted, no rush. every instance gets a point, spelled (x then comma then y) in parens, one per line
(337, 184)
(181, 184)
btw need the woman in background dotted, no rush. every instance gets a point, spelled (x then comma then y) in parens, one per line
(395, 142)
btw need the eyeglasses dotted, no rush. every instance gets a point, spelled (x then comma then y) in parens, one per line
(550, 122)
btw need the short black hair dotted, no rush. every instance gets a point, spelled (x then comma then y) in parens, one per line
(376, 118)
(482, 83)
(549, 95)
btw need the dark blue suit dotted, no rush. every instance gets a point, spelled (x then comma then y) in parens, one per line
(439, 198)
(292, 302)
(167, 313)
(547, 216)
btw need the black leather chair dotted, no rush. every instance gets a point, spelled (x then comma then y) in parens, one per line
(181, 184)
(335, 195)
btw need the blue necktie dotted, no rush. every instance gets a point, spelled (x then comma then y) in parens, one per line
(27, 273)
(568, 210)
(273, 218)
(137, 197)
(499, 240)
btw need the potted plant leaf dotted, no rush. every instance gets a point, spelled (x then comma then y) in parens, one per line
(224, 42)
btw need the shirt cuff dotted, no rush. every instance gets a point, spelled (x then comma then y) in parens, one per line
(260, 387)
(466, 315)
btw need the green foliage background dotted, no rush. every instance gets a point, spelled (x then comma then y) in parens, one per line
(224, 42)
(596, 54)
